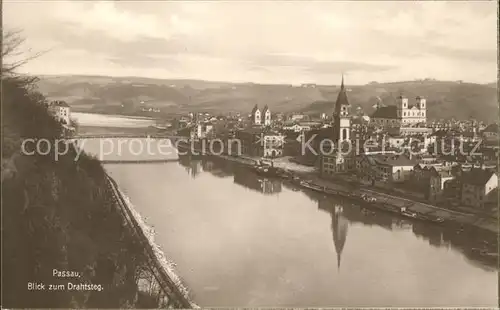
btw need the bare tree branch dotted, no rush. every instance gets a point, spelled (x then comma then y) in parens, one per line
(14, 56)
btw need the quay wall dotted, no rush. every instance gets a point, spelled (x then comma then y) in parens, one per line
(170, 286)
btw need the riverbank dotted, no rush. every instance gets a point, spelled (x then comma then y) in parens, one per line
(450, 216)
(170, 284)
(341, 187)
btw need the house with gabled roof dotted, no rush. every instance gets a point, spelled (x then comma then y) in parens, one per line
(477, 184)
(386, 167)
(491, 132)
(438, 176)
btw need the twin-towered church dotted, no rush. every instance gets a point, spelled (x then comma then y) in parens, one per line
(261, 117)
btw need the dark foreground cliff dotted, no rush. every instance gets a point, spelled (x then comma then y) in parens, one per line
(60, 215)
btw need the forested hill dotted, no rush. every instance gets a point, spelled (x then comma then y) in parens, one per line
(446, 99)
(58, 214)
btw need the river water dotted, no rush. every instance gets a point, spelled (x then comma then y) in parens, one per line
(240, 240)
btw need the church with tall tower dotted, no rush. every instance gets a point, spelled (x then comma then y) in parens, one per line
(333, 161)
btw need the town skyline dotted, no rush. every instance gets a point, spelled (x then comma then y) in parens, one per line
(257, 42)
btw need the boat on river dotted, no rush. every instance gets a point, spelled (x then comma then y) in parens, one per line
(312, 186)
(485, 255)
(266, 171)
(408, 213)
(431, 218)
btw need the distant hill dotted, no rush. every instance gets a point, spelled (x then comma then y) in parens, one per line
(113, 94)
(444, 99)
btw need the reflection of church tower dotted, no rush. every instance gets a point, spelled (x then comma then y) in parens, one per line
(342, 122)
(195, 168)
(339, 230)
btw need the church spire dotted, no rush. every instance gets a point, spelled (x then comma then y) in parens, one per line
(342, 83)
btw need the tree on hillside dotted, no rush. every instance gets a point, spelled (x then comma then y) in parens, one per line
(57, 214)
(14, 56)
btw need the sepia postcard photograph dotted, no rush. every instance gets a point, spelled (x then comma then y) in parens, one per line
(249, 154)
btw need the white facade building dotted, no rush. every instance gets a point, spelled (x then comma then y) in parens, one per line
(61, 111)
(403, 113)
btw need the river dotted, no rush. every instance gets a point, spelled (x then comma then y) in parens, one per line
(240, 240)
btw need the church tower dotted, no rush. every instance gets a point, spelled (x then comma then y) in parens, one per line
(403, 108)
(421, 105)
(256, 115)
(342, 122)
(336, 161)
(266, 115)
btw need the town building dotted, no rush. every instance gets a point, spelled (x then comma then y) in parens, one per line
(394, 141)
(479, 187)
(438, 176)
(197, 131)
(491, 132)
(401, 114)
(297, 117)
(310, 148)
(257, 142)
(61, 111)
(389, 168)
(300, 126)
(421, 173)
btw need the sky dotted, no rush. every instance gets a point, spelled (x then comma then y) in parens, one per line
(290, 42)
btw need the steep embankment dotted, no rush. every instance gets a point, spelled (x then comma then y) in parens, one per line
(59, 214)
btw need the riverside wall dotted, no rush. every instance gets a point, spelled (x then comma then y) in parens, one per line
(171, 293)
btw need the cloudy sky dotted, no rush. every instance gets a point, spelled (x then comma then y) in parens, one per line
(258, 41)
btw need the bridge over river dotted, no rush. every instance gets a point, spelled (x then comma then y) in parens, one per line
(128, 148)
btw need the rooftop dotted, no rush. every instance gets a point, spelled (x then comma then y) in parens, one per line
(477, 177)
(59, 103)
(391, 160)
(386, 112)
(493, 128)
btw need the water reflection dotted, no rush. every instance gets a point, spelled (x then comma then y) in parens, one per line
(449, 236)
(339, 230)
(191, 164)
(344, 211)
(431, 233)
(252, 181)
(217, 167)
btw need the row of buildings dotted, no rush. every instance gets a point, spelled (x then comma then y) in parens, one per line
(396, 146)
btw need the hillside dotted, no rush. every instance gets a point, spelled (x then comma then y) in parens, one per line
(59, 214)
(125, 94)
